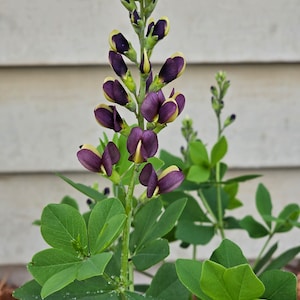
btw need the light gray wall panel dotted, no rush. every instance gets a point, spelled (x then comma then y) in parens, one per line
(75, 31)
(23, 197)
(46, 113)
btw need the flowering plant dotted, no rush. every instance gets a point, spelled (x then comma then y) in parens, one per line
(94, 255)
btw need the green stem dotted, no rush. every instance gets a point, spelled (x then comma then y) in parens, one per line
(262, 250)
(126, 271)
(206, 205)
(218, 179)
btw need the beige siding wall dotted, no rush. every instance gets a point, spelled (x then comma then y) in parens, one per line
(53, 59)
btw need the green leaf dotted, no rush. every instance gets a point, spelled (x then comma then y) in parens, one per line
(59, 280)
(189, 273)
(279, 285)
(166, 285)
(242, 178)
(265, 259)
(91, 289)
(283, 259)
(144, 219)
(70, 201)
(228, 254)
(191, 212)
(167, 221)
(218, 151)
(105, 224)
(195, 234)
(31, 290)
(151, 254)
(254, 228)
(93, 266)
(198, 154)
(287, 217)
(264, 203)
(48, 262)
(198, 174)
(170, 159)
(236, 283)
(84, 189)
(63, 227)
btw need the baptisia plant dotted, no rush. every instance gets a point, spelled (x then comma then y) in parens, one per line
(94, 255)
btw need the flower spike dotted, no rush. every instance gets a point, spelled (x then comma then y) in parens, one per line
(92, 160)
(141, 144)
(108, 116)
(168, 180)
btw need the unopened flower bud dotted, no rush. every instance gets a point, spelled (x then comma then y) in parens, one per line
(145, 66)
(129, 4)
(229, 120)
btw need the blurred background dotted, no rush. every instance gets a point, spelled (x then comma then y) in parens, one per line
(53, 60)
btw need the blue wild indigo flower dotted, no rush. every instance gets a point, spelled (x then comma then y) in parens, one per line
(92, 160)
(141, 144)
(118, 64)
(167, 181)
(156, 108)
(108, 116)
(114, 91)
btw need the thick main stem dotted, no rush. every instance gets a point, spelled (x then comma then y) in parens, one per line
(126, 276)
(218, 180)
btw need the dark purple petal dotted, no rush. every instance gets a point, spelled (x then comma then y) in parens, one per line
(90, 158)
(148, 178)
(111, 156)
(134, 137)
(172, 68)
(134, 17)
(150, 26)
(180, 99)
(149, 144)
(120, 42)
(115, 92)
(108, 117)
(117, 62)
(169, 71)
(149, 80)
(150, 106)
(160, 29)
(168, 112)
(171, 179)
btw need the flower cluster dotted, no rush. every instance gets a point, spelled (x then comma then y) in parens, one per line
(146, 101)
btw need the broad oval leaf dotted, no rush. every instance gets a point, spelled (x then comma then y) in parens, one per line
(254, 228)
(151, 254)
(263, 203)
(228, 254)
(46, 263)
(279, 285)
(105, 224)
(63, 227)
(198, 153)
(218, 151)
(189, 273)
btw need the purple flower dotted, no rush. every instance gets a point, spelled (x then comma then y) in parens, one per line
(118, 42)
(135, 18)
(141, 144)
(92, 160)
(108, 116)
(118, 64)
(172, 68)
(159, 29)
(114, 91)
(156, 108)
(168, 180)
